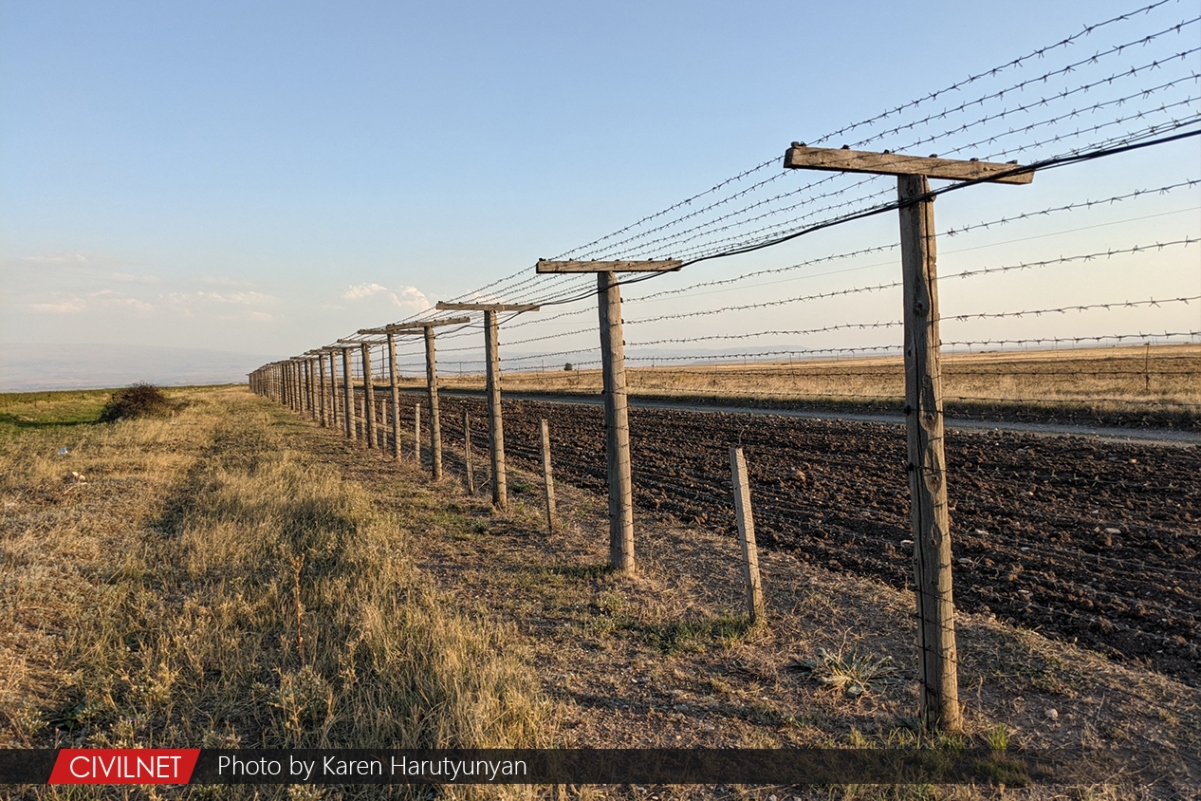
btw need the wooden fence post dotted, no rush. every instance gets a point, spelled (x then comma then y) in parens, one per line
(417, 433)
(368, 397)
(923, 397)
(333, 391)
(496, 430)
(548, 481)
(381, 429)
(617, 425)
(613, 368)
(321, 387)
(431, 381)
(746, 535)
(467, 453)
(348, 393)
(394, 381)
(927, 462)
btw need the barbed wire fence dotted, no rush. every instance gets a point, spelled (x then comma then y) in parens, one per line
(1041, 317)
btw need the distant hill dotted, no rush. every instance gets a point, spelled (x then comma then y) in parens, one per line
(26, 367)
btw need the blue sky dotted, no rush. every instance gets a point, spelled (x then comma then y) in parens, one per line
(265, 177)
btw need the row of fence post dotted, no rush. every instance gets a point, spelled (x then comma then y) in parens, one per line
(294, 387)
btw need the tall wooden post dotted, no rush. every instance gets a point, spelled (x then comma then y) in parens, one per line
(496, 423)
(548, 479)
(927, 462)
(431, 383)
(310, 389)
(320, 362)
(496, 434)
(394, 386)
(613, 369)
(368, 396)
(617, 424)
(333, 390)
(348, 393)
(923, 398)
(746, 535)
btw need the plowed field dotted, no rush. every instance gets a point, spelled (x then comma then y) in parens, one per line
(1084, 540)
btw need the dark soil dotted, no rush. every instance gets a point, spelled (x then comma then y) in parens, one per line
(1087, 541)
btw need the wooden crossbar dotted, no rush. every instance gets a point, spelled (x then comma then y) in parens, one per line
(650, 266)
(838, 160)
(498, 307)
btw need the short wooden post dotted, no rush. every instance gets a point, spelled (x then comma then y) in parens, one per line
(746, 535)
(548, 481)
(381, 430)
(348, 393)
(927, 462)
(368, 397)
(417, 433)
(394, 382)
(467, 453)
(496, 423)
(617, 426)
(431, 382)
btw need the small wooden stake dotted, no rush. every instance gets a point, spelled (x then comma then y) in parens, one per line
(417, 433)
(746, 535)
(467, 453)
(548, 480)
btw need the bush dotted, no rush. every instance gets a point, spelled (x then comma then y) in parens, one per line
(139, 400)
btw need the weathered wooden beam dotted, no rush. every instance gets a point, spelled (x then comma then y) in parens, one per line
(493, 307)
(840, 160)
(412, 328)
(650, 266)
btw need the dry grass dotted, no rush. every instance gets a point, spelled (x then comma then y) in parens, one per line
(234, 576)
(1160, 384)
(207, 585)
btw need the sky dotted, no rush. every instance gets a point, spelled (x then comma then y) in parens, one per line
(260, 178)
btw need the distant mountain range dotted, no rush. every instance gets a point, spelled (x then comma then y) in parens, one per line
(29, 367)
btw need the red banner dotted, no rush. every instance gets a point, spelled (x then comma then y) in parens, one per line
(124, 766)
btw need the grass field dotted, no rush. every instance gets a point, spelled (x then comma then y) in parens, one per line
(205, 584)
(1159, 385)
(237, 576)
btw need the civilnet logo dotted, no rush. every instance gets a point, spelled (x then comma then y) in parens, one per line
(124, 766)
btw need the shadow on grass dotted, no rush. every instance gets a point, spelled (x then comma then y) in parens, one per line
(24, 421)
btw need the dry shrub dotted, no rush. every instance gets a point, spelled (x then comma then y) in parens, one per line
(131, 403)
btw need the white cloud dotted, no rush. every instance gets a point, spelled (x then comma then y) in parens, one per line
(407, 297)
(363, 291)
(131, 278)
(221, 280)
(59, 258)
(72, 305)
